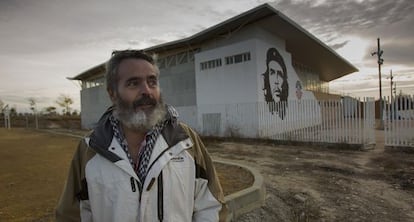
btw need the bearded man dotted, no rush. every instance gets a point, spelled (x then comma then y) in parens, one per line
(140, 163)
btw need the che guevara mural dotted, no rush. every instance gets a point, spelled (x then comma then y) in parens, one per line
(275, 83)
(281, 85)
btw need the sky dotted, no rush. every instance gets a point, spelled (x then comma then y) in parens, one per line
(43, 42)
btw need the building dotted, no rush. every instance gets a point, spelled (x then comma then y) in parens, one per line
(233, 64)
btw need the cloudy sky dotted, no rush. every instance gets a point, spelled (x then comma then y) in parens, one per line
(44, 41)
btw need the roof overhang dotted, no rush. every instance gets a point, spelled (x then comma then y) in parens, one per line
(304, 47)
(90, 73)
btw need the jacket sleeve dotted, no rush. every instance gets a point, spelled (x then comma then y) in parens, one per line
(75, 190)
(208, 197)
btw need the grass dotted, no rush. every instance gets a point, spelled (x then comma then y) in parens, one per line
(34, 165)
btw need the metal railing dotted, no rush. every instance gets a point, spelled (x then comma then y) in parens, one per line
(349, 121)
(399, 121)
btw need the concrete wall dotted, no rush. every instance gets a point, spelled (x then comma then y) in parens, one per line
(178, 84)
(243, 83)
(232, 83)
(94, 102)
(226, 84)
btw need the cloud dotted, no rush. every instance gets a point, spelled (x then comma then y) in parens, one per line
(390, 20)
(45, 41)
(339, 45)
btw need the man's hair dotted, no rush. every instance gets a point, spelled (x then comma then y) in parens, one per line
(117, 57)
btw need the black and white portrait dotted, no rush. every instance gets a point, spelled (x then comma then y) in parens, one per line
(275, 84)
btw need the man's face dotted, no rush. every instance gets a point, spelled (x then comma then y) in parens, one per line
(275, 79)
(138, 97)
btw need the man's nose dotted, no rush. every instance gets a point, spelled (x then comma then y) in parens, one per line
(145, 89)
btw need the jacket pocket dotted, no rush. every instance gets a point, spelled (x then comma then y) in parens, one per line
(179, 180)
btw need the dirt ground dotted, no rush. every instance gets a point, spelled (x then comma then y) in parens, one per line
(321, 184)
(302, 183)
(34, 165)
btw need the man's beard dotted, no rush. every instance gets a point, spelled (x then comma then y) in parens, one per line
(140, 120)
(277, 92)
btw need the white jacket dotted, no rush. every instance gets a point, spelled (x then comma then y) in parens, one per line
(181, 184)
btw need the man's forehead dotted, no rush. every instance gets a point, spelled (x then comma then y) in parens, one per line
(137, 75)
(275, 64)
(136, 67)
(136, 63)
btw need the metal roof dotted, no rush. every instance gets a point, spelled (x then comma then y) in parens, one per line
(304, 47)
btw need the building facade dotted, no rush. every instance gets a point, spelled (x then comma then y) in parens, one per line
(259, 60)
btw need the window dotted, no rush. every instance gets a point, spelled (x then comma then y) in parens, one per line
(161, 63)
(210, 64)
(182, 58)
(246, 56)
(238, 58)
(229, 60)
(171, 60)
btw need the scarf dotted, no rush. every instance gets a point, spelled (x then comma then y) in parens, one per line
(144, 155)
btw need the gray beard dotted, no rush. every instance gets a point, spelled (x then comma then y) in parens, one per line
(139, 120)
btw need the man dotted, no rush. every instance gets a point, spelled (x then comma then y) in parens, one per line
(276, 88)
(140, 163)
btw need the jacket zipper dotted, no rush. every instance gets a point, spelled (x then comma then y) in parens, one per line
(160, 198)
(134, 187)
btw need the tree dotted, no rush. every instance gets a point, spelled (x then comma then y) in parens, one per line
(75, 113)
(50, 110)
(13, 111)
(32, 103)
(1, 106)
(65, 102)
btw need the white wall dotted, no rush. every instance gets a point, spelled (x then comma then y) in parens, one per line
(232, 83)
(227, 84)
(94, 102)
(242, 83)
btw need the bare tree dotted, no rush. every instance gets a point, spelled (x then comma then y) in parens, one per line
(65, 102)
(50, 110)
(32, 102)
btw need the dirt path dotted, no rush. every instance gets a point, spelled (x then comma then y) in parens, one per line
(319, 184)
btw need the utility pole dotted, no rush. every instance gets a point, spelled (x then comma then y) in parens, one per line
(395, 89)
(391, 77)
(380, 61)
(392, 109)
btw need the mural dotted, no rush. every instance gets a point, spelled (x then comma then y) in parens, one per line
(275, 83)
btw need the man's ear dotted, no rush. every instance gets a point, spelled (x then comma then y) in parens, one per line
(112, 95)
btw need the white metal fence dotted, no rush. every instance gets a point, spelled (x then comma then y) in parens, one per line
(399, 121)
(347, 121)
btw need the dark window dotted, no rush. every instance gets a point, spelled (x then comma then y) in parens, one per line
(238, 58)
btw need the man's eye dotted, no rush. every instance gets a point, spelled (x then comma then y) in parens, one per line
(279, 73)
(152, 82)
(132, 83)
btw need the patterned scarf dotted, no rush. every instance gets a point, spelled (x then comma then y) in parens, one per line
(144, 155)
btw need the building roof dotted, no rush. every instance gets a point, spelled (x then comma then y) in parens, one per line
(304, 47)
